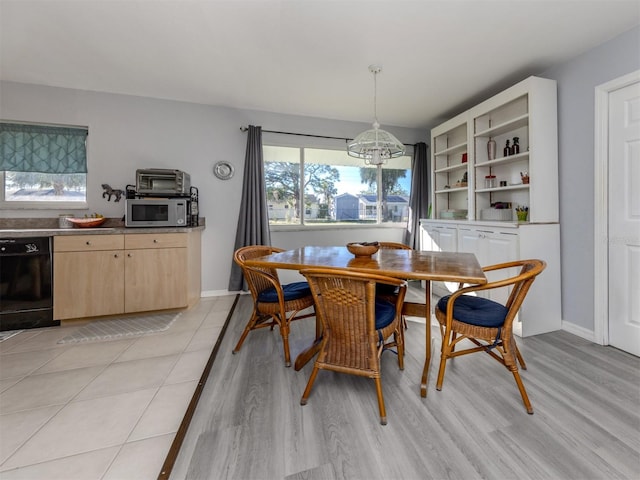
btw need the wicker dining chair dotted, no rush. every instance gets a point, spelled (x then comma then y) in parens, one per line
(486, 323)
(272, 300)
(386, 291)
(356, 326)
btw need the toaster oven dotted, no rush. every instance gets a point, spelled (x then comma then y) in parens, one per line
(162, 182)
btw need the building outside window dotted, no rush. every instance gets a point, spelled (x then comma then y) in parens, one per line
(42, 166)
(314, 186)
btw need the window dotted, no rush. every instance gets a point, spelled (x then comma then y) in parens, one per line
(42, 166)
(321, 186)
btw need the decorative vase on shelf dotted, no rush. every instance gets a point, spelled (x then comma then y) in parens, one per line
(491, 149)
(507, 150)
(515, 148)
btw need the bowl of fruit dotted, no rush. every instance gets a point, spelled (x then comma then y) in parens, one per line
(94, 220)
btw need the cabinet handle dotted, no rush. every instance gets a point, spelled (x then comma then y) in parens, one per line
(88, 242)
(128, 255)
(115, 255)
(155, 241)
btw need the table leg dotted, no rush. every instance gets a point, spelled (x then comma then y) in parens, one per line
(427, 361)
(307, 354)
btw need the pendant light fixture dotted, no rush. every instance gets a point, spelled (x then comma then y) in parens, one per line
(375, 146)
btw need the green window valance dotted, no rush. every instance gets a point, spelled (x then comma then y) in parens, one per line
(41, 148)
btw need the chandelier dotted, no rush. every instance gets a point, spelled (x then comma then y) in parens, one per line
(375, 146)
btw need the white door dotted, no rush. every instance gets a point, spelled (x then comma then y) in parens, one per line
(624, 218)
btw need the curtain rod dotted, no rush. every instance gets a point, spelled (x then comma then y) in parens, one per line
(244, 129)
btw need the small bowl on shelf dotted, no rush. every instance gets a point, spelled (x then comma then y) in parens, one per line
(87, 222)
(363, 249)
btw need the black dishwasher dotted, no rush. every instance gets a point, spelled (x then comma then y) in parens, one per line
(26, 298)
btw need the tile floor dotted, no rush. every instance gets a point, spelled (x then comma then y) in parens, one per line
(100, 410)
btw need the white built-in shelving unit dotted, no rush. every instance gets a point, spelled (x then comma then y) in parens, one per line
(463, 218)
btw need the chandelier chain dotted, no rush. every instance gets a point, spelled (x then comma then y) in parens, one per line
(375, 96)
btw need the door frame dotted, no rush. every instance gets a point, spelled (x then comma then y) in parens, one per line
(601, 207)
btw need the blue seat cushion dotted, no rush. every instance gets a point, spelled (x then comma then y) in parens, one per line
(476, 311)
(292, 291)
(385, 289)
(385, 313)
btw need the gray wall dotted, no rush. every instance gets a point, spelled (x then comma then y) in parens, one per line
(577, 80)
(127, 133)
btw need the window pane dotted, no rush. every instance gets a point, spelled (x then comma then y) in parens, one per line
(45, 187)
(337, 188)
(282, 180)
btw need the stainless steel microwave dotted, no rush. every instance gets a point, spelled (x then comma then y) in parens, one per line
(163, 182)
(157, 212)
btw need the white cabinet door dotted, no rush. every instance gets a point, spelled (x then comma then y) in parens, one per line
(447, 239)
(470, 241)
(426, 238)
(490, 248)
(500, 247)
(439, 238)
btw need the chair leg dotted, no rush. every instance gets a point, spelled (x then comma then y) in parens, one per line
(520, 359)
(444, 354)
(443, 363)
(523, 392)
(284, 332)
(307, 390)
(252, 321)
(399, 338)
(383, 412)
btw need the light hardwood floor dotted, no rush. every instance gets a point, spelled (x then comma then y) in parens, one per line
(249, 423)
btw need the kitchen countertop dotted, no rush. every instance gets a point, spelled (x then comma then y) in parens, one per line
(23, 228)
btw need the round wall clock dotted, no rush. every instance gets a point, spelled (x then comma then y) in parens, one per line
(223, 170)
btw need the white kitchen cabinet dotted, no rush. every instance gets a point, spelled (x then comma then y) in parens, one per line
(498, 242)
(490, 246)
(439, 237)
(465, 217)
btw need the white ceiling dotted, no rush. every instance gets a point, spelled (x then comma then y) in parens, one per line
(304, 57)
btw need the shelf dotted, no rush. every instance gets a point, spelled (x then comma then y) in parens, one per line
(527, 110)
(454, 149)
(451, 190)
(503, 160)
(520, 186)
(505, 127)
(458, 166)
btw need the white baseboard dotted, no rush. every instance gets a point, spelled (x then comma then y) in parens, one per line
(220, 293)
(579, 331)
